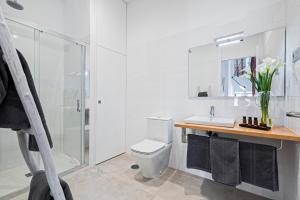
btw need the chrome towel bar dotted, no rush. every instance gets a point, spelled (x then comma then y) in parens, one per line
(293, 114)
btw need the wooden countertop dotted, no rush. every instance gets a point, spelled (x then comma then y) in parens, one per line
(276, 133)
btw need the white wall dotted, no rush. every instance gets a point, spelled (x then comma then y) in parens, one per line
(292, 172)
(70, 17)
(159, 35)
(76, 15)
(46, 13)
(111, 25)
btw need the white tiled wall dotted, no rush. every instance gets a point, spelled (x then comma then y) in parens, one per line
(76, 15)
(70, 17)
(159, 35)
(111, 24)
(47, 13)
(292, 171)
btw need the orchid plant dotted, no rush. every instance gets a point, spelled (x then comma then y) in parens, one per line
(263, 84)
(266, 72)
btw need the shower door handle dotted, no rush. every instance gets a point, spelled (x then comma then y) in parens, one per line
(78, 106)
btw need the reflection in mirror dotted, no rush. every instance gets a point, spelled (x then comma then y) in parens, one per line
(234, 77)
(203, 67)
(293, 72)
(221, 70)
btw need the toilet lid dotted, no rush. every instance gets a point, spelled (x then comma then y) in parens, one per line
(148, 146)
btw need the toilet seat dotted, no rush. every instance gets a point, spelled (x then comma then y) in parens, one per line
(148, 147)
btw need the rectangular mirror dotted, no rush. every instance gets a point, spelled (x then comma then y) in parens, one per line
(220, 70)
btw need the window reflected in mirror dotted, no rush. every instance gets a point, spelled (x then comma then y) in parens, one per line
(235, 80)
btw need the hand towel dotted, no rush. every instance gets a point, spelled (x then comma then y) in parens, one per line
(259, 165)
(198, 156)
(225, 164)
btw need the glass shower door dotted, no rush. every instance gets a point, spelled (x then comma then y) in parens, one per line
(57, 66)
(13, 169)
(61, 94)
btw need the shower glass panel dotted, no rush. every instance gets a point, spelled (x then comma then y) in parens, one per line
(61, 97)
(12, 165)
(57, 66)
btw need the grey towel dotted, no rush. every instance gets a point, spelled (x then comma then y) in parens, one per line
(40, 190)
(12, 114)
(225, 166)
(259, 165)
(198, 156)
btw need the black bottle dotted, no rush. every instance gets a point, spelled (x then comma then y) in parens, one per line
(255, 121)
(250, 121)
(244, 120)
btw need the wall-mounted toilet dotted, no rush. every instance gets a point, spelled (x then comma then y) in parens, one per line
(152, 154)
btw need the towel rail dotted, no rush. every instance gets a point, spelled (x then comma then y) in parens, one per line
(184, 139)
(293, 114)
(281, 145)
(183, 135)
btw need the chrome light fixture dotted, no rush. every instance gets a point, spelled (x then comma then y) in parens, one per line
(230, 39)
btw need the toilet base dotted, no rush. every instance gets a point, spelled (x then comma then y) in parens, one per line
(153, 165)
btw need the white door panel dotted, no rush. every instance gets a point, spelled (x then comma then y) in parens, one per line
(111, 88)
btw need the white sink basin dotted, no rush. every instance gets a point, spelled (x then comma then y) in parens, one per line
(223, 122)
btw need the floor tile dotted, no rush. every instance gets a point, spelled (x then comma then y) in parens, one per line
(115, 180)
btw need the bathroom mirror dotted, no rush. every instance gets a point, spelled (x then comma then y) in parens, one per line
(221, 70)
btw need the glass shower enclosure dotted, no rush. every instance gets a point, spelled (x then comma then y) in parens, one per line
(58, 67)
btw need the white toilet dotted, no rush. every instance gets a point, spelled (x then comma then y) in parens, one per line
(152, 154)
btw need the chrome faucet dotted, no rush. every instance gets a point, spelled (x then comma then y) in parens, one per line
(212, 112)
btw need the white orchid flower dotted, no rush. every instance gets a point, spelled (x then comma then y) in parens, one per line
(261, 67)
(269, 61)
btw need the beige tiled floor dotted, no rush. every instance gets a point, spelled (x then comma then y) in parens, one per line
(115, 180)
(14, 179)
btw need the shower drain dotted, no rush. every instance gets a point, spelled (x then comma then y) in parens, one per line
(135, 166)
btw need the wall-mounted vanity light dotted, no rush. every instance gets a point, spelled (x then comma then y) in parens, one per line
(230, 39)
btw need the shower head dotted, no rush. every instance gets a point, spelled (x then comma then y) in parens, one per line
(15, 4)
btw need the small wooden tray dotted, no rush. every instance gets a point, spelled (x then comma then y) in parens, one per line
(263, 128)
